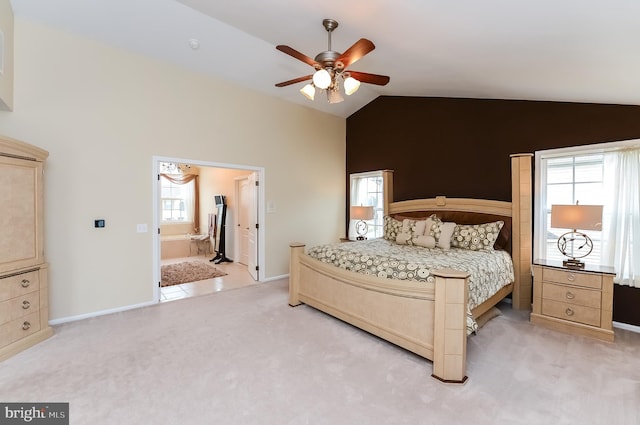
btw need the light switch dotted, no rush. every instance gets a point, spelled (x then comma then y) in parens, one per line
(141, 228)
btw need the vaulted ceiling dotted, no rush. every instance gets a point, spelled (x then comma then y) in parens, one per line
(557, 50)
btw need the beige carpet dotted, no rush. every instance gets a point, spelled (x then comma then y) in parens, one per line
(244, 357)
(187, 271)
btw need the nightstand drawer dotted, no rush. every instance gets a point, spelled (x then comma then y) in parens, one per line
(587, 280)
(571, 312)
(568, 294)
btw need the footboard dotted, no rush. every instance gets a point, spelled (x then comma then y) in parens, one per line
(427, 319)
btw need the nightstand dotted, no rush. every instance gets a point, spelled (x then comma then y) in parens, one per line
(579, 302)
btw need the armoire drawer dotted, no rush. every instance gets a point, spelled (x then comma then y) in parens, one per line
(15, 285)
(19, 306)
(19, 328)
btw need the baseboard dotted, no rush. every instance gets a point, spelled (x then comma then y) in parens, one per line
(271, 279)
(626, 326)
(99, 313)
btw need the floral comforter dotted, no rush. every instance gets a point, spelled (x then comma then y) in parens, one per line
(489, 270)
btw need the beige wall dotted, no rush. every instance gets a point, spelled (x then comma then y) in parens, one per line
(6, 76)
(103, 114)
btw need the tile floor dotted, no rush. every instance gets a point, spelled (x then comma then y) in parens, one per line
(237, 277)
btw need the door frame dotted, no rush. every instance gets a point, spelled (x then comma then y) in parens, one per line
(155, 161)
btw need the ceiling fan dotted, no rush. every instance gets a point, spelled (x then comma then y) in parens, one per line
(331, 67)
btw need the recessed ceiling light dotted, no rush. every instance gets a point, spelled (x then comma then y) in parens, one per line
(194, 43)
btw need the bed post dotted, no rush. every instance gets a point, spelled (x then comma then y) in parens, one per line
(521, 247)
(297, 249)
(387, 183)
(450, 326)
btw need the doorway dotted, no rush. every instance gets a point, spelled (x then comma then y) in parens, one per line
(215, 178)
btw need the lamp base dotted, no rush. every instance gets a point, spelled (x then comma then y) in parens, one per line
(361, 230)
(574, 245)
(573, 264)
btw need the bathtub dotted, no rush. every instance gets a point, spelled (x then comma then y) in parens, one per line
(178, 246)
(175, 246)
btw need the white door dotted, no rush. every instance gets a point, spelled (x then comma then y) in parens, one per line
(252, 237)
(248, 223)
(243, 224)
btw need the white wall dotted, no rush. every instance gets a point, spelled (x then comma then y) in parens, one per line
(6, 74)
(103, 113)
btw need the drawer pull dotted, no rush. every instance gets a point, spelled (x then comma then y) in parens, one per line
(26, 304)
(570, 295)
(25, 326)
(25, 283)
(569, 312)
(571, 277)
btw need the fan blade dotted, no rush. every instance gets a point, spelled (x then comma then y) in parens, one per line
(365, 77)
(295, 80)
(296, 54)
(355, 52)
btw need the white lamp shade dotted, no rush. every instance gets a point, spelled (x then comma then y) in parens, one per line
(322, 79)
(351, 85)
(309, 91)
(334, 96)
(577, 217)
(361, 213)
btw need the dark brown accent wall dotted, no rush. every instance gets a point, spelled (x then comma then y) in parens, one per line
(461, 147)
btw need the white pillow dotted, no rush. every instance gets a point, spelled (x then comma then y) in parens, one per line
(420, 227)
(425, 241)
(403, 238)
(446, 232)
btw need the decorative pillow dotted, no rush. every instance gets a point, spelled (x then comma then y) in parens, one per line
(392, 228)
(406, 234)
(440, 230)
(419, 228)
(446, 230)
(425, 241)
(431, 225)
(404, 239)
(476, 237)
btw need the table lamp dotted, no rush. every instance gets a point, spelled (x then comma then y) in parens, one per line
(361, 214)
(574, 244)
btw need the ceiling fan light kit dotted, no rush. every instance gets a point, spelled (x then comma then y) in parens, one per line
(330, 66)
(309, 91)
(322, 79)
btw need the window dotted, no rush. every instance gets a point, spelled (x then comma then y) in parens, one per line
(174, 201)
(178, 197)
(607, 175)
(367, 189)
(571, 179)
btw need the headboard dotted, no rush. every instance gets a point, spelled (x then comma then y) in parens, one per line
(459, 211)
(517, 215)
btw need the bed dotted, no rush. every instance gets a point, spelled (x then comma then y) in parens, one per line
(429, 317)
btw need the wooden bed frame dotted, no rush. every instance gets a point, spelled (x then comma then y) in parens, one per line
(427, 319)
